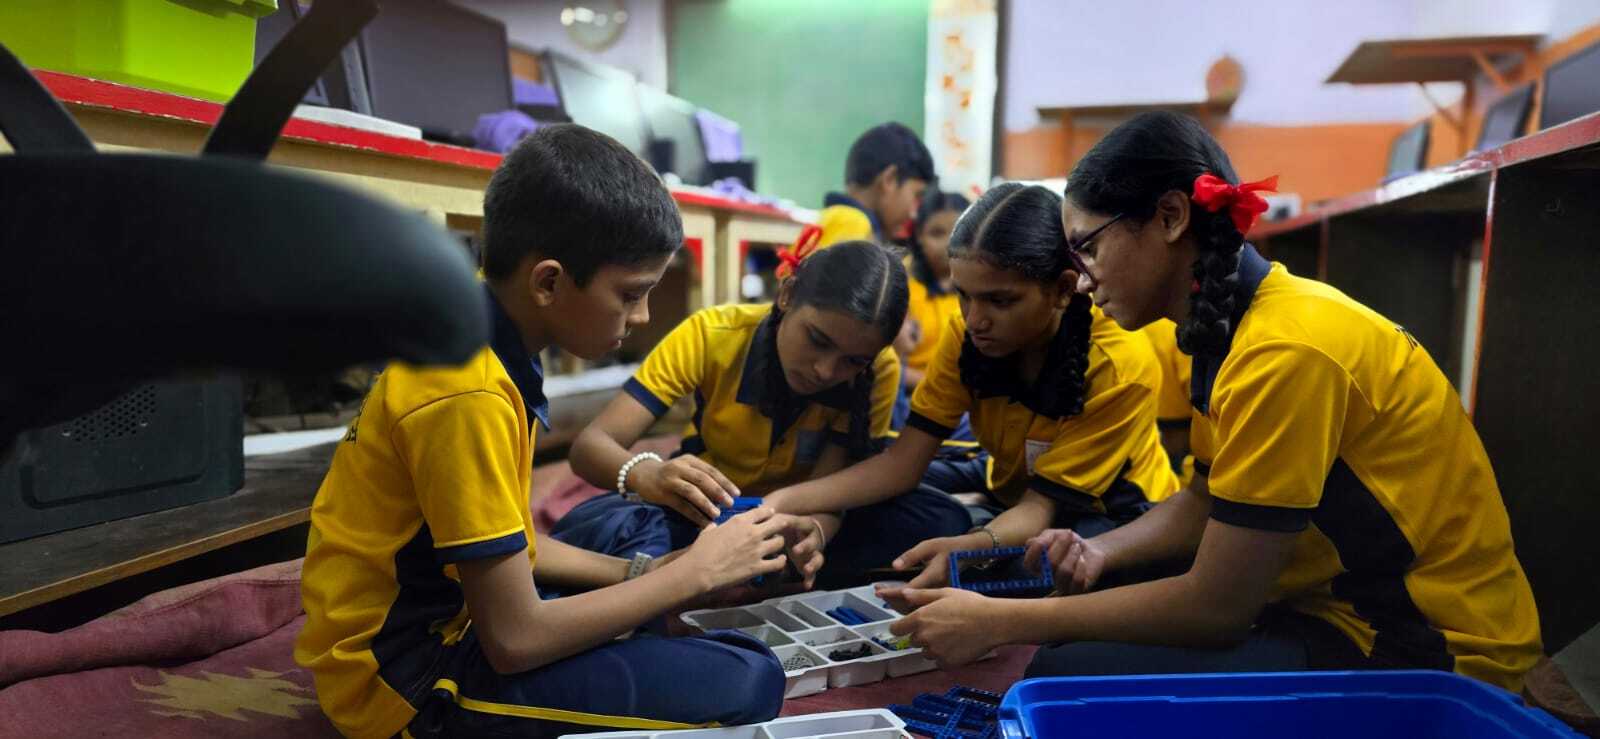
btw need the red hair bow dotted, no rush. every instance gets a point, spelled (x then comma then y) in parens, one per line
(789, 258)
(1244, 206)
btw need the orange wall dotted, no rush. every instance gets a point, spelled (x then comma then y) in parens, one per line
(1317, 162)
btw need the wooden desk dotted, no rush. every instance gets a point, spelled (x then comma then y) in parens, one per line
(1448, 59)
(444, 181)
(1491, 263)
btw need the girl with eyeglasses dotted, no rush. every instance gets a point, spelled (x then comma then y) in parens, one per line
(1343, 513)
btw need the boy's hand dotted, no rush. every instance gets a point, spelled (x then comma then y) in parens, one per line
(688, 485)
(1079, 562)
(736, 551)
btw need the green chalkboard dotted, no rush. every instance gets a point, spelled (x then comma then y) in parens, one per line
(802, 77)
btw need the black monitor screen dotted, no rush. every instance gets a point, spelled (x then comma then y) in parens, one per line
(1409, 151)
(1572, 88)
(672, 119)
(601, 98)
(270, 29)
(436, 66)
(1505, 119)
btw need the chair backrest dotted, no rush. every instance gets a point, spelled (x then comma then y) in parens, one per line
(122, 267)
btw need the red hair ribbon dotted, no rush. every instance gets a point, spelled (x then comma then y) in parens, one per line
(1244, 206)
(789, 258)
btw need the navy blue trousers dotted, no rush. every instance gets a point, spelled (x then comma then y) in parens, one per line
(636, 683)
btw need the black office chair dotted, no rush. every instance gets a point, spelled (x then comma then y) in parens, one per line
(119, 268)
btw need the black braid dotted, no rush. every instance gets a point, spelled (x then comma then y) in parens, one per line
(1211, 307)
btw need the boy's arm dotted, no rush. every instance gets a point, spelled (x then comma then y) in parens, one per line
(520, 632)
(573, 567)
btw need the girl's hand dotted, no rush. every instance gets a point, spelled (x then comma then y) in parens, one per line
(688, 485)
(1078, 562)
(953, 627)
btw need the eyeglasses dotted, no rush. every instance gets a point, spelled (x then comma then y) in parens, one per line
(1074, 249)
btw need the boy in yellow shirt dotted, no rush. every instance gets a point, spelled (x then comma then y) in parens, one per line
(420, 573)
(885, 175)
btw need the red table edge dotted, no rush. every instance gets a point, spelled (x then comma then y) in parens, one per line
(93, 93)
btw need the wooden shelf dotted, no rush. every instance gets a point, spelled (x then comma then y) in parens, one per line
(1448, 59)
(277, 494)
(1201, 109)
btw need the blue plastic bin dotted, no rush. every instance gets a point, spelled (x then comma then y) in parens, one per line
(1415, 704)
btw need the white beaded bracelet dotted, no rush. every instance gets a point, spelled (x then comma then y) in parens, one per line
(622, 474)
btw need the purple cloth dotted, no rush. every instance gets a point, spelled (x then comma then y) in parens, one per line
(525, 92)
(499, 132)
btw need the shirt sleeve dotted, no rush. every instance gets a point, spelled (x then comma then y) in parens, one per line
(1280, 410)
(462, 455)
(941, 398)
(673, 369)
(1091, 450)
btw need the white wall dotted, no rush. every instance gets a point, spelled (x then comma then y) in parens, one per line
(641, 49)
(1091, 52)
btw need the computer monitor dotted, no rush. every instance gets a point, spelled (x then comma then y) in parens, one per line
(1409, 152)
(436, 66)
(1571, 88)
(1506, 119)
(672, 119)
(602, 98)
(343, 85)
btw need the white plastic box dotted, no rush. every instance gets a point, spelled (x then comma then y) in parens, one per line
(802, 634)
(869, 724)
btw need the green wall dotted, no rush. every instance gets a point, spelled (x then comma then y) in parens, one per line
(802, 77)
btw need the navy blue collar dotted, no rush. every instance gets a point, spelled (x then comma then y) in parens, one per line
(1203, 374)
(525, 370)
(839, 198)
(762, 376)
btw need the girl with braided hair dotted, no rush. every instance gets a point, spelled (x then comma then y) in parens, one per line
(1061, 398)
(1343, 513)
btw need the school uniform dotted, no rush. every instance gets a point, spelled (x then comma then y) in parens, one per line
(1326, 419)
(844, 218)
(435, 471)
(1103, 466)
(725, 358)
(1172, 403)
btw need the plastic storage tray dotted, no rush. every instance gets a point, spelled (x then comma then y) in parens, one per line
(871, 724)
(1307, 705)
(803, 635)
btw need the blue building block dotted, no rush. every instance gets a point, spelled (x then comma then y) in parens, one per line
(961, 713)
(1026, 586)
(848, 616)
(740, 505)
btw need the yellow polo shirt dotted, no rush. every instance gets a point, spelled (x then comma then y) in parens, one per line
(1326, 418)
